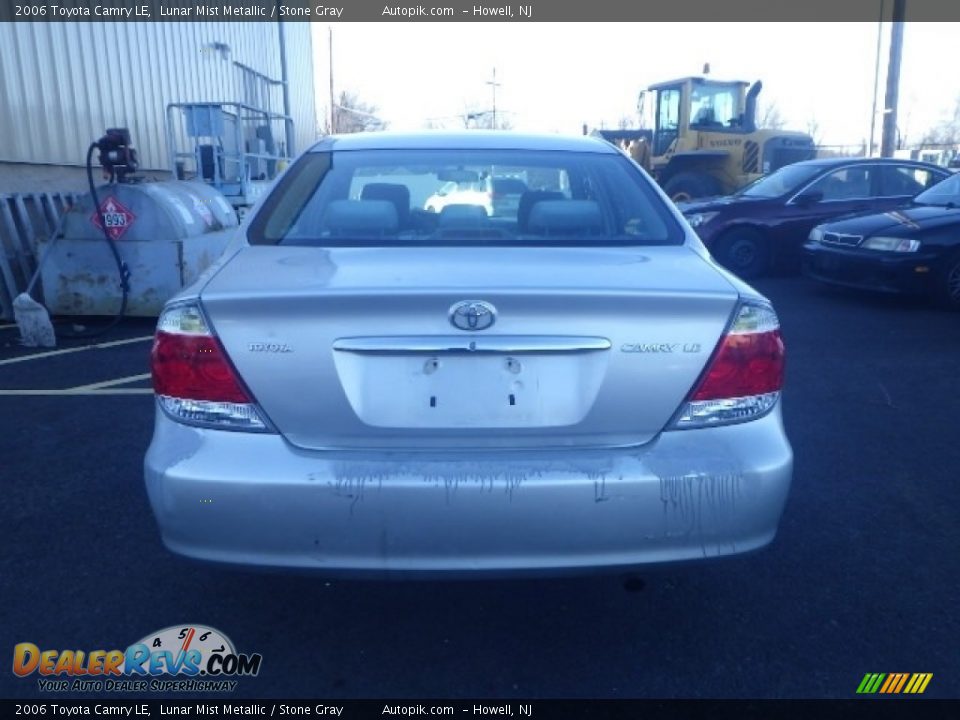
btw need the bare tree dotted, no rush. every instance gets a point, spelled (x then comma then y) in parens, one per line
(770, 117)
(813, 130)
(947, 132)
(352, 115)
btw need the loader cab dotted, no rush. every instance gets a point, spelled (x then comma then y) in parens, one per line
(704, 139)
(696, 103)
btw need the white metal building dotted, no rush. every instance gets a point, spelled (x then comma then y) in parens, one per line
(63, 84)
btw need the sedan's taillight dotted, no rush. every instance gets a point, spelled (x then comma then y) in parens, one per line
(192, 376)
(745, 374)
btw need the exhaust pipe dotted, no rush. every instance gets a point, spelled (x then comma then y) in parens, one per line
(750, 111)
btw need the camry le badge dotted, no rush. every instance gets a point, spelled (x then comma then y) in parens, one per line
(269, 347)
(472, 315)
(660, 347)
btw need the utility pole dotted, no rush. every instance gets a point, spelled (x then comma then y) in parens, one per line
(494, 85)
(893, 80)
(333, 111)
(876, 83)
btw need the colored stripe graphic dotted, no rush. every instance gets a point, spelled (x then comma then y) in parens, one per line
(894, 683)
(903, 680)
(870, 683)
(918, 683)
(891, 680)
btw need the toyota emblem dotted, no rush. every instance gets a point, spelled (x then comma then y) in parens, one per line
(472, 315)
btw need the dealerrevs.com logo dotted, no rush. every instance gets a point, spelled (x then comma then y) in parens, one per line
(180, 658)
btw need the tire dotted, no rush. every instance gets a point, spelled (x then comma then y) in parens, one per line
(947, 289)
(744, 252)
(691, 185)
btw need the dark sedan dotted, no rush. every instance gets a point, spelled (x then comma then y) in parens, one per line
(765, 224)
(912, 249)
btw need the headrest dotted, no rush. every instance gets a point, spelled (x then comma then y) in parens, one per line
(528, 200)
(462, 215)
(561, 217)
(399, 195)
(371, 217)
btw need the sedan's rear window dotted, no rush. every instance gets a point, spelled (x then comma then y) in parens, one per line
(464, 197)
(946, 193)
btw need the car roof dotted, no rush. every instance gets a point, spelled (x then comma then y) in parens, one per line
(696, 80)
(832, 162)
(463, 140)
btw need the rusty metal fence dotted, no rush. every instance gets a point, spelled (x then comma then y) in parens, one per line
(25, 218)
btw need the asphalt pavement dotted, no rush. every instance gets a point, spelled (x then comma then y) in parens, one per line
(864, 575)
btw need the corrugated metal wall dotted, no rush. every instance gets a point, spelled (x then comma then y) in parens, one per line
(63, 84)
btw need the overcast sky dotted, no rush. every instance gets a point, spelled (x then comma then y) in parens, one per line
(557, 76)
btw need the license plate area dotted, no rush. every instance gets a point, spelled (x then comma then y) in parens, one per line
(494, 390)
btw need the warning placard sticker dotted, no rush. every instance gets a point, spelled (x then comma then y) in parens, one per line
(118, 217)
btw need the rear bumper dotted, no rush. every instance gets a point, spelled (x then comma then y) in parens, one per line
(253, 500)
(881, 272)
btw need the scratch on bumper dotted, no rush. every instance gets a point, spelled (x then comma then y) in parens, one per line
(685, 495)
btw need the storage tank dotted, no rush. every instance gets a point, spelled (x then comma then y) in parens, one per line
(167, 233)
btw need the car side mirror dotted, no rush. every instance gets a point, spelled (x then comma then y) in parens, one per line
(809, 198)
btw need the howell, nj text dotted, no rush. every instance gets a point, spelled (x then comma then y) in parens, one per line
(501, 11)
(504, 710)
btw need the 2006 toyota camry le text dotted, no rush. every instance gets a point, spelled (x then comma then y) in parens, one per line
(362, 385)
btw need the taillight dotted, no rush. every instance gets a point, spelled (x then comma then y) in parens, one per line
(192, 376)
(745, 374)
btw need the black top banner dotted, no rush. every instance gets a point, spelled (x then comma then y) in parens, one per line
(516, 709)
(473, 11)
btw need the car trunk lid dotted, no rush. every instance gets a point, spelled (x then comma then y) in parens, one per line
(357, 348)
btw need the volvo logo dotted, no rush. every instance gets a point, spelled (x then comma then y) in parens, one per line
(473, 315)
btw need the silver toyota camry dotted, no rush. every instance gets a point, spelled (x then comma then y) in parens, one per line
(363, 386)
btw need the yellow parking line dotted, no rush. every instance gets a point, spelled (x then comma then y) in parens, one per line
(110, 383)
(76, 391)
(51, 353)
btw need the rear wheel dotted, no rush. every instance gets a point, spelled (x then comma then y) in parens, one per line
(691, 185)
(948, 284)
(743, 251)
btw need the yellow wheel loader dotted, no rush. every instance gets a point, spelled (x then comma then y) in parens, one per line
(704, 139)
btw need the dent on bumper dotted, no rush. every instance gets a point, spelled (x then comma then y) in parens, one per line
(252, 499)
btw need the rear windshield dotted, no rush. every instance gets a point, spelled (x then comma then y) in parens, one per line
(457, 197)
